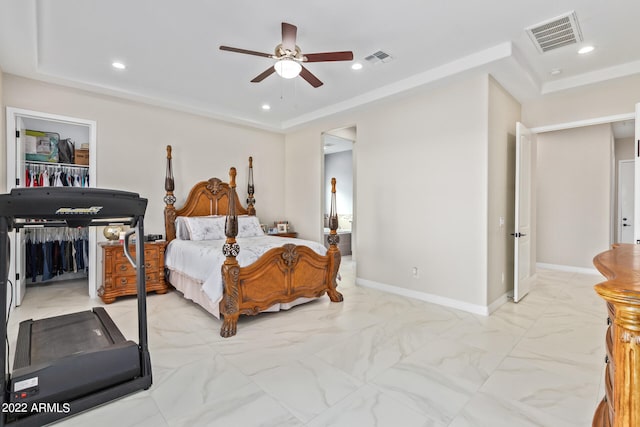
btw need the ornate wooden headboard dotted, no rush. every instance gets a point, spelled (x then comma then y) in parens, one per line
(205, 198)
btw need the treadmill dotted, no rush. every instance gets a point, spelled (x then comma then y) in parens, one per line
(67, 364)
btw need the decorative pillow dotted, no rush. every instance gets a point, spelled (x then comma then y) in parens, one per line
(206, 227)
(249, 226)
(182, 228)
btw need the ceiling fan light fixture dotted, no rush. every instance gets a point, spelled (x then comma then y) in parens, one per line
(287, 68)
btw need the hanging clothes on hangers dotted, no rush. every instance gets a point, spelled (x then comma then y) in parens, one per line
(55, 175)
(51, 252)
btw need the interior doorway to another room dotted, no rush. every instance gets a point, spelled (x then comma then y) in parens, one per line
(623, 182)
(579, 197)
(338, 161)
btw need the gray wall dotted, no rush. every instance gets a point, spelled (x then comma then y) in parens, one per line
(339, 166)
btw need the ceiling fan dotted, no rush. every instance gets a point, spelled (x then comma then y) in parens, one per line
(289, 58)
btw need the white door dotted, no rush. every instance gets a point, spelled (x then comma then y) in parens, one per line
(625, 201)
(523, 271)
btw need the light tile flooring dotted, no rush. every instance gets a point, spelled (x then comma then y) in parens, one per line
(374, 360)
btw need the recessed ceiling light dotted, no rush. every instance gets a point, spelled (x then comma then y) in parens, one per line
(555, 71)
(118, 65)
(586, 49)
(356, 66)
(266, 107)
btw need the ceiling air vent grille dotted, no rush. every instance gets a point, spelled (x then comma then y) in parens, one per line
(378, 57)
(557, 32)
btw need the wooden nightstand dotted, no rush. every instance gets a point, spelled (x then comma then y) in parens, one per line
(119, 276)
(289, 234)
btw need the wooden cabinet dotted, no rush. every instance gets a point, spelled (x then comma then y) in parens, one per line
(621, 404)
(287, 234)
(119, 276)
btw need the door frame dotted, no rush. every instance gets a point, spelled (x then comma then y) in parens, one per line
(323, 204)
(12, 114)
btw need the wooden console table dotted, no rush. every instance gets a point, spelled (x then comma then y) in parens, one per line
(621, 404)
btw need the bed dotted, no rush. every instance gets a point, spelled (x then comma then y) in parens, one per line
(230, 273)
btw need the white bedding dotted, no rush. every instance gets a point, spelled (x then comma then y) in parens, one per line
(201, 260)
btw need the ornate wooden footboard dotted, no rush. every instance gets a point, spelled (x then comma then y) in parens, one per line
(281, 275)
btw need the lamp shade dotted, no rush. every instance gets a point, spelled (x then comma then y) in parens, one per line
(287, 68)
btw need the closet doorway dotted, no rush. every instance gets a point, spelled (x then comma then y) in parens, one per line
(37, 156)
(338, 161)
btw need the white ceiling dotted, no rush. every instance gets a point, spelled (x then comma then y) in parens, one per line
(171, 49)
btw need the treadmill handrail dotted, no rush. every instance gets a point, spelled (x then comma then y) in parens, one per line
(127, 235)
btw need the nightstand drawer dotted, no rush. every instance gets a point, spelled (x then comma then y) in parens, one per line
(151, 278)
(126, 269)
(149, 253)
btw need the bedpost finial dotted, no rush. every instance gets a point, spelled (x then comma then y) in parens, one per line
(250, 161)
(232, 177)
(333, 185)
(168, 151)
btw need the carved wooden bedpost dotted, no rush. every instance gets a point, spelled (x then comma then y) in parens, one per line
(169, 200)
(333, 252)
(250, 189)
(230, 269)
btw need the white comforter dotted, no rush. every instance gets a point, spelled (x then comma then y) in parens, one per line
(202, 260)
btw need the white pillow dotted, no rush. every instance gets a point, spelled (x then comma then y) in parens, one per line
(249, 226)
(206, 227)
(182, 228)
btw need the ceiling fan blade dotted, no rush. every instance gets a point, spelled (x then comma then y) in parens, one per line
(266, 73)
(289, 33)
(313, 80)
(248, 52)
(328, 56)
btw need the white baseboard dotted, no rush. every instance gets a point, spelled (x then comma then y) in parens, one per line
(435, 299)
(567, 268)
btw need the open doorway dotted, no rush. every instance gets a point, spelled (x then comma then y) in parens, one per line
(578, 195)
(624, 176)
(338, 161)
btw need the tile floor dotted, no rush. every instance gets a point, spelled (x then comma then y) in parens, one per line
(374, 360)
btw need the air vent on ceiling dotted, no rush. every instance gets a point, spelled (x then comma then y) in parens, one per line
(557, 32)
(378, 57)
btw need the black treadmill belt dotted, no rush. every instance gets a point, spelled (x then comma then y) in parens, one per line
(62, 336)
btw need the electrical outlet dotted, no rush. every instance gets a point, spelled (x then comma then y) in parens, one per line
(501, 221)
(414, 272)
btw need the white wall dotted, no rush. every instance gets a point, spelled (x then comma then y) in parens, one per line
(504, 111)
(574, 195)
(421, 185)
(131, 141)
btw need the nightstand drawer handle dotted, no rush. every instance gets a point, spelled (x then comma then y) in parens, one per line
(147, 265)
(148, 279)
(124, 267)
(123, 281)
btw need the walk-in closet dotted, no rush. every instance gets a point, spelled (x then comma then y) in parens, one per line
(49, 150)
